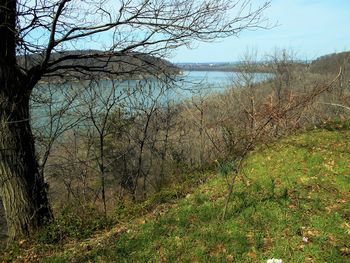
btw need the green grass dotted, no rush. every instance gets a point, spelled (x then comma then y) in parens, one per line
(295, 188)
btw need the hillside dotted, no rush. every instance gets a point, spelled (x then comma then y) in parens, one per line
(292, 202)
(331, 63)
(258, 67)
(86, 64)
(327, 64)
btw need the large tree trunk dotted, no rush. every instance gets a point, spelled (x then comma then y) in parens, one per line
(22, 188)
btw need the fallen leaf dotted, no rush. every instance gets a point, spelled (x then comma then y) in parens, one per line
(292, 206)
(251, 254)
(341, 201)
(332, 239)
(345, 251)
(229, 258)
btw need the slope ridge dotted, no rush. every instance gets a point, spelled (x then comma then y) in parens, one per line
(291, 202)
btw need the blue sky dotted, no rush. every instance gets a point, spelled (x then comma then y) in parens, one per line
(310, 28)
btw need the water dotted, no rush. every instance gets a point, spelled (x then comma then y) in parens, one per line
(210, 78)
(74, 99)
(217, 81)
(219, 78)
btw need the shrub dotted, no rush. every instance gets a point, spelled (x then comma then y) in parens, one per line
(73, 223)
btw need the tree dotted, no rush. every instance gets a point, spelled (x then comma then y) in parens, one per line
(34, 35)
(101, 102)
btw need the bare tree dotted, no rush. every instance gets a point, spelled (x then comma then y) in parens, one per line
(32, 31)
(54, 110)
(282, 109)
(145, 104)
(101, 102)
(167, 122)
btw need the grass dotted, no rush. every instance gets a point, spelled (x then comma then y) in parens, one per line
(294, 189)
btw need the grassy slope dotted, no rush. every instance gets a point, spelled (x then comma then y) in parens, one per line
(298, 187)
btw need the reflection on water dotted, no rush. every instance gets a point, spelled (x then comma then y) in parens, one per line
(50, 102)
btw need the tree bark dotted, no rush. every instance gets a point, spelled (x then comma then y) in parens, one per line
(22, 188)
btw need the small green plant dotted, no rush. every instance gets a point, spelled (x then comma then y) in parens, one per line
(336, 125)
(72, 223)
(225, 168)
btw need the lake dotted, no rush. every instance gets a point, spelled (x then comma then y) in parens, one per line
(129, 95)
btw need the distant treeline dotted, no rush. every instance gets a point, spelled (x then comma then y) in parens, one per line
(259, 67)
(327, 64)
(331, 63)
(90, 64)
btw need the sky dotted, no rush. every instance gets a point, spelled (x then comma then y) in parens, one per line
(308, 28)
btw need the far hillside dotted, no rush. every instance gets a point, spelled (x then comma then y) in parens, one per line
(327, 64)
(331, 63)
(90, 64)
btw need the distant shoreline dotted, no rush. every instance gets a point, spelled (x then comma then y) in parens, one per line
(233, 69)
(259, 67)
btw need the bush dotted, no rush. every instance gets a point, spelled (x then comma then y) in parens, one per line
(73, 223)
(335, 125)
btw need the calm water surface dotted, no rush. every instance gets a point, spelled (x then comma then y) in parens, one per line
(130, 94)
